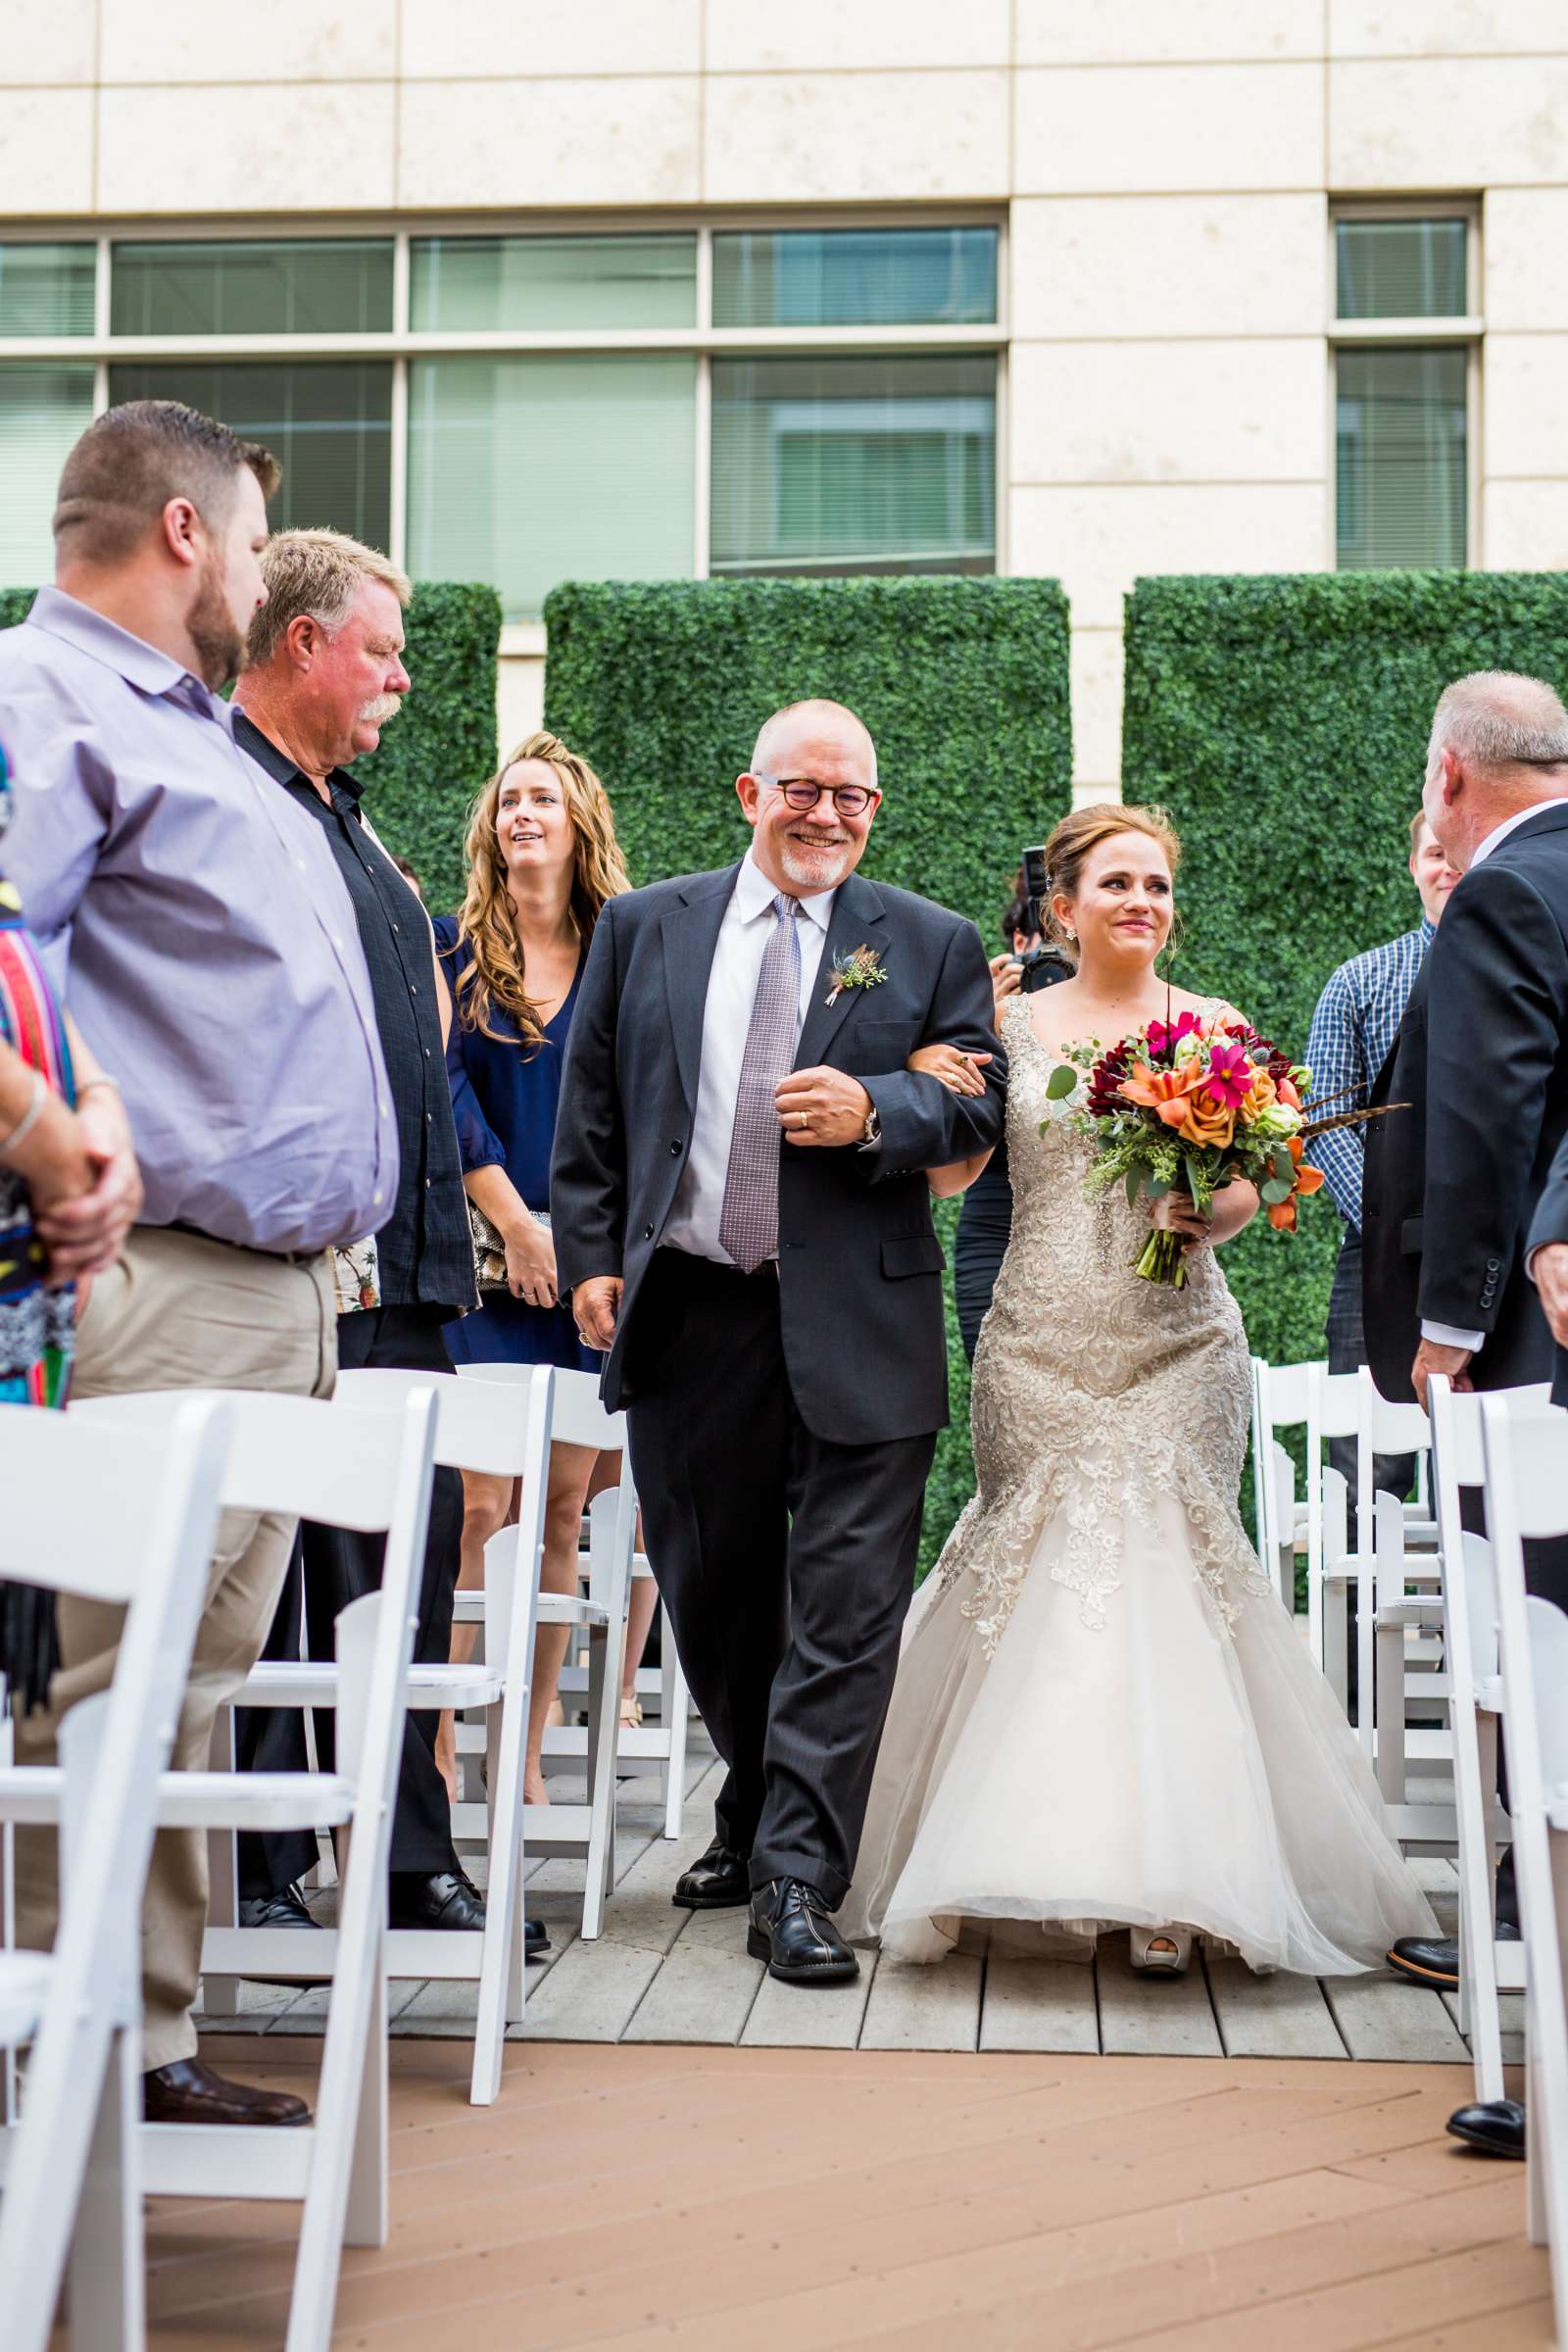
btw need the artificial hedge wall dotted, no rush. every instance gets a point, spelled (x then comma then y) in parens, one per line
(1284, 721)
(964, 683)
(441, 747)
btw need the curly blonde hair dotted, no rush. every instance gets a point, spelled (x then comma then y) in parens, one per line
(496, 976)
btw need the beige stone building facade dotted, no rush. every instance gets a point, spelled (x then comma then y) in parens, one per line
(534, 289)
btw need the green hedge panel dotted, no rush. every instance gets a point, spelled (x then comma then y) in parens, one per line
(1284, 721)
(441, 747)
(962, 682)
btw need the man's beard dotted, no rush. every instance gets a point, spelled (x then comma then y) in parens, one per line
(815, 868)
(210, 627)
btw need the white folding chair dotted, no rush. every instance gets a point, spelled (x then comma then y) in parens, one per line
(1527, 1494)
(1475, 1705)
(1281, 1399)
(587, 1829)
(370, 1471)
(99, 1513)
(475, 1429)
(1348, 1404)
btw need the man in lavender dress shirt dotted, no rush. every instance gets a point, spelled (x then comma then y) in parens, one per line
(204, 940)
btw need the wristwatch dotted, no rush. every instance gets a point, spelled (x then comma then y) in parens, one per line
(872, 1132)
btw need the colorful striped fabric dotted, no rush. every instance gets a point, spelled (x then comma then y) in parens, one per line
(36, 1324)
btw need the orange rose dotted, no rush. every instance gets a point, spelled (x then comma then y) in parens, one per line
(1165, 1092)
(1207, 1121)
(1261, 1096)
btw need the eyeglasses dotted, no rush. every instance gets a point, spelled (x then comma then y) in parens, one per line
(801, 793)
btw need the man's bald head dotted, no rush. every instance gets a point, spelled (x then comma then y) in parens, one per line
(791, 736)
(1498, 746)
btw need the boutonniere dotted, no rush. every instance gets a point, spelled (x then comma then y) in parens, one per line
(861, 967)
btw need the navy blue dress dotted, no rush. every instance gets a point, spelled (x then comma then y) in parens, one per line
(503, 1099)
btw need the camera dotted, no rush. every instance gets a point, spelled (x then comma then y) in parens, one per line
(1041, 967)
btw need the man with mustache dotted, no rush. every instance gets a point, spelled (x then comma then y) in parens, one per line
(204, 940)
(742, 1216)
(323, 675)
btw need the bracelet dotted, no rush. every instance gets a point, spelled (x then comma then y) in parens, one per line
(102, 1079)
(30, 1117)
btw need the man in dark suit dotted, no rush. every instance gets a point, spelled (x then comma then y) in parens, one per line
(741, 1214)
(1546, 1257)
(1453, 1182)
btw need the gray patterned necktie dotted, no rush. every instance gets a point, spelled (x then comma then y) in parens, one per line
(747, 1222)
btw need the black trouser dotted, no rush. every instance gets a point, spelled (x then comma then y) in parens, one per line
(786, 1564)
(330, 1567)
(985, 1228)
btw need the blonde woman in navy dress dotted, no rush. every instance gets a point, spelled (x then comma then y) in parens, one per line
(542, 860)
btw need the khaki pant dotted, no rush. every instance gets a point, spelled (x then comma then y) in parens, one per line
(178, 1312)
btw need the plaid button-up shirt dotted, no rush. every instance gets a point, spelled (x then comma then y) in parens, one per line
(1352, 1032)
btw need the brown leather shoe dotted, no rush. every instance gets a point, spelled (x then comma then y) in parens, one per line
(188, 2092)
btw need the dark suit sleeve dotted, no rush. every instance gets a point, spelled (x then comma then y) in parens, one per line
(1550, 1220)
(588, 1166)
(924, 1124)
(1497, 1002)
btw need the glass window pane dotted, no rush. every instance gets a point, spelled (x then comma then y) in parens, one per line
(1401, 428)
(459, 283)
(1400, 269)
(304, 286)
(531, 468)
(855, 277)
(855, 464)
(47, 289)
(327, 421)
(42, 409)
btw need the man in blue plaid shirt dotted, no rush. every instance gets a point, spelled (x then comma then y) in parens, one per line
(1351, 1036)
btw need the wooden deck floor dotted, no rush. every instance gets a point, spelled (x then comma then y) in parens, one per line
(728, 2198)
(660, 1975)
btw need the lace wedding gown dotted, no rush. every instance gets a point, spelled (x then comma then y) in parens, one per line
(1102, 1714)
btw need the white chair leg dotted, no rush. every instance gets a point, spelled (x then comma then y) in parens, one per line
(678, 1715)
(502, 1979)
(605, 1650)
(1365, 1652)
(368, 2220)
(220, 1995)
(107, 2264)
(1336, 1625)
(1389, 1712)
(1475, 1777)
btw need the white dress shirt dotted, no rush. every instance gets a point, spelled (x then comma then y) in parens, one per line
(1447, 1335)
(743, 938)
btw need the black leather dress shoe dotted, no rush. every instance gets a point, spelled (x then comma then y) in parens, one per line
(284, 1910)
(535, 1941)
(444, 1899)
(188, 2092)
(1495, 2129)
(1434, 1959)
(721, 1880)
(792, 1930)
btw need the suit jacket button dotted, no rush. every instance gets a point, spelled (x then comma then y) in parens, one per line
(674, 1149)
(647, 1233)
(1494, 1265)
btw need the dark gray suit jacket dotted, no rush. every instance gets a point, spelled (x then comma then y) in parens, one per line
(860, 1261)
(1550, 1224)
(1452, 1183)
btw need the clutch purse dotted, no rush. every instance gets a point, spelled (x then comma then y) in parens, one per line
(489, 1250)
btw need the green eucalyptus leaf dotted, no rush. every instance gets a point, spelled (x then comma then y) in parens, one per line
(1135, 1185)
(1061, 1083)
(1156, 1186)
(1276, 1190)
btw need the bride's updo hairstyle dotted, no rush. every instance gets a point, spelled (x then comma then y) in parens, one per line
(1076, 839)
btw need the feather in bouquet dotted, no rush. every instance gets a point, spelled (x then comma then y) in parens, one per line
(1189, 1105)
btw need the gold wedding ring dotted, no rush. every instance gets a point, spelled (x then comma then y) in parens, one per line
(803, 1118)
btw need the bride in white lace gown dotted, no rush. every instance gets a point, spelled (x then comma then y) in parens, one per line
(1103, 1717)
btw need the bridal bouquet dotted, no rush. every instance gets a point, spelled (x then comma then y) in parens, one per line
(1189, 1105)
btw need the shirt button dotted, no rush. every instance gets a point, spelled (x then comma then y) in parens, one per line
(412, 991)
(426, 1052)
(394, 927)
(300, 863)
(376, 1199)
